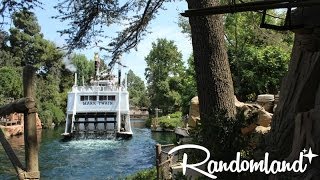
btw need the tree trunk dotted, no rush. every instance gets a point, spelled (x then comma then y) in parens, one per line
(214, 82)
(299, 96)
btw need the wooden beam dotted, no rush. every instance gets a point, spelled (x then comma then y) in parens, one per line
(12, 156)
(20, 106)
(250, 6)
(30, 128)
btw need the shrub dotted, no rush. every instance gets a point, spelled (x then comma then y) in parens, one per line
(171, 121)
(146, 174)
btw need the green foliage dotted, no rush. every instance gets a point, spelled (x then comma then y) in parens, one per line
(164, 73)
(147, 174)
(85, 68)
(171, 121)
(10, 82)
(258, 57)
(25, 45)
(259, 72)
(137, 91)
(189, 84)
(27, 42)
(57, 115)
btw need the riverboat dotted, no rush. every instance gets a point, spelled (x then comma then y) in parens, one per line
(100, 108)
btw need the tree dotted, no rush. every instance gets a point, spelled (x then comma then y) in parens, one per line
(10, 82)
(163, 73)
(298, 106)
(85, 68)
(27, 46)
(214, 82)
(137, 90)
(258, 57)
(189, 85)
(9, 7)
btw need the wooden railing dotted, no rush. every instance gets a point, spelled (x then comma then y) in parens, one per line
(27, 106)
(164, 161)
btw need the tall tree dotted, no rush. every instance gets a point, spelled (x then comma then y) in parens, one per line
(214, 82)
(189, 85)
(258, 57)
(29, 47)
(85, 67)
(295, 122)
(9, 7)
(163, 73)
(137, 90)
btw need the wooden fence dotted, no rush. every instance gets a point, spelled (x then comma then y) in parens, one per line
(164, 161)
(27, 106)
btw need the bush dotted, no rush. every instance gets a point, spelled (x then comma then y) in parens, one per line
(149, 122)
(57, 115)
(171, 121)
(46, 118)
(146, 174)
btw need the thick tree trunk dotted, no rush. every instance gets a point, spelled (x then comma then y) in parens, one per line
(214, 82)
(291, 131)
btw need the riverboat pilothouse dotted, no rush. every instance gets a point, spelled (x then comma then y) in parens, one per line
(99, 108)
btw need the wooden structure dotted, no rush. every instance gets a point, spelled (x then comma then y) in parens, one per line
(28, 107)
(261, 7)
(164, 161)
(295, 123)
(250, 6)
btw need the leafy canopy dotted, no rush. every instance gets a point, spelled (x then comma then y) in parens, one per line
(164, 73)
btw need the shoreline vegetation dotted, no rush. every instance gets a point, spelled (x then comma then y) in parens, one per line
(145, 174)
(166, 123)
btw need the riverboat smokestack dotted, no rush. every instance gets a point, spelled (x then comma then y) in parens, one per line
(119, 77)
(75, 79)
(96, 65)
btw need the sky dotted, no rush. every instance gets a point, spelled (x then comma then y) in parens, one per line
(164, 26)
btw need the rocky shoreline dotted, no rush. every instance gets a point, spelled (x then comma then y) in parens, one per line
(18, 129)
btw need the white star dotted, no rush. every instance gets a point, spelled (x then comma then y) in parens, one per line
(310, 155)
(304, 151)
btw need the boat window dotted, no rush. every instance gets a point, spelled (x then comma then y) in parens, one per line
(103, 98)
(92, 98)
(83, 98)
(111, 98)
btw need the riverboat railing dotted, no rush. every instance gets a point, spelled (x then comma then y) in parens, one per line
(27, 106)
(97, 88)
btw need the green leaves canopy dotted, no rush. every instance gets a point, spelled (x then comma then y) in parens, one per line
(164, 73)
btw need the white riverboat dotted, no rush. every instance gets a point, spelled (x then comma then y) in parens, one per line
(100, 108)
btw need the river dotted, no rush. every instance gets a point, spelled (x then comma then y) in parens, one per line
(88, 158)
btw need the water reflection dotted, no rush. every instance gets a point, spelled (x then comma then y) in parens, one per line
(89, 159)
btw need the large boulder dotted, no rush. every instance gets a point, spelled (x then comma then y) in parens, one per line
(261, 125)
(18, 129)
(194, 112)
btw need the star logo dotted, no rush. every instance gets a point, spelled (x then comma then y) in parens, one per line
(304, 151)
(309, 155)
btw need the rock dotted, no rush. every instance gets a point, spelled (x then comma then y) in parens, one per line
(263, 121)
(266, 101)
(18, 129)
(194, 113)
(12, 130)
(262, 129)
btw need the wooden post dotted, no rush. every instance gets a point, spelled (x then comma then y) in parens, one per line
(30, 130)
(158, 159)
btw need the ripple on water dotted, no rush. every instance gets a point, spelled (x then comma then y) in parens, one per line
(94, 159)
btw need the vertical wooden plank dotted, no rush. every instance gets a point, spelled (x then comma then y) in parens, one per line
(158, 159)
(30, 130)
